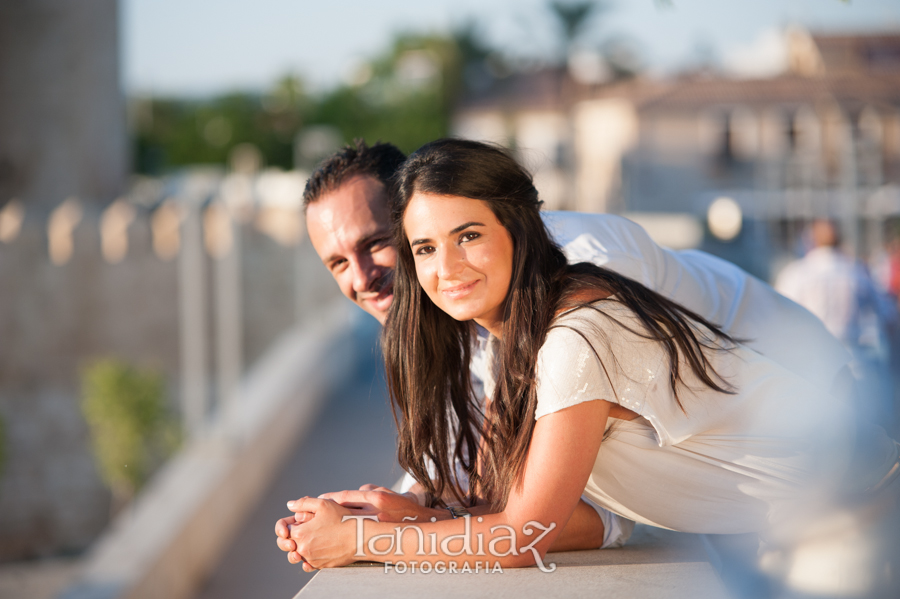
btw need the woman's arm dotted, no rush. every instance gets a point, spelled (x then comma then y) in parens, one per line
(584, 530)
(563, 450)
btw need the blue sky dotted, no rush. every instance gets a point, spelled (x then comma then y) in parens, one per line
(199, 47)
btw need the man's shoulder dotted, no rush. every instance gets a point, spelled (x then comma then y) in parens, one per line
(609, 229)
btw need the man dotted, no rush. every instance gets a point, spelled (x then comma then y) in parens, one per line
(833, 286)
(838, 289)
(348, 219)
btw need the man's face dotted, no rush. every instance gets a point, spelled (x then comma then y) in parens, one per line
(350, 230)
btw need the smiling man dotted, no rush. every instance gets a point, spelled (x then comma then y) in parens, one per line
(348, 219)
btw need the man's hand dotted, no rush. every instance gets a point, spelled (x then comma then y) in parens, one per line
(372, 500)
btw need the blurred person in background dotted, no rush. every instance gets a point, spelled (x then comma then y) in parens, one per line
(839, 290)
(887, 270)
(347, 207)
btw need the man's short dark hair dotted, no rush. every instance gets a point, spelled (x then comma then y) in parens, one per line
(380, 161)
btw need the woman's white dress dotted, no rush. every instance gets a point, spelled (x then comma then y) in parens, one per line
(726, 463)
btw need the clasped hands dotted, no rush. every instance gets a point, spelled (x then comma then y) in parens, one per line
(316, 536)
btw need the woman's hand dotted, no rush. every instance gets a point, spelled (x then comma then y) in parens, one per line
(283, 532)
(388, 506)
(323, 540)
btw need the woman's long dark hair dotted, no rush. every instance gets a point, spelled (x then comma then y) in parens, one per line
(427, 352)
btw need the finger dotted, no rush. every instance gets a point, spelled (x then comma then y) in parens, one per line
(307, 567)
(342, 497)
(302, 518)
(294, 557)
(286, 544)
(376, 488)
(283, 527)
(306, 504)
(346, 498)
(357, 505)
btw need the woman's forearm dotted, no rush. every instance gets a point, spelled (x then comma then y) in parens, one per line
(476, 541)
(336, 536)
(584, 530)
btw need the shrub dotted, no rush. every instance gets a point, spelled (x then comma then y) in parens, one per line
(131, 429)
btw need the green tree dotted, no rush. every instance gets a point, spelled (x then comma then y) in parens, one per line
(405, 95)
(171, 132)
(572, 18)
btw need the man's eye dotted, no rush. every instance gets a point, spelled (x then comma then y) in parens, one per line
(338, 265)
(379, 244)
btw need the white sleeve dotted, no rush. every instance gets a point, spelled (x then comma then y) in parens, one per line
(616, 529)
(404, 484)
(746, 308)
(740, 304)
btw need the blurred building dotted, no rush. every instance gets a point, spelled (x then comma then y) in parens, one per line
(63, 157)
(820, 139)
(62, 108)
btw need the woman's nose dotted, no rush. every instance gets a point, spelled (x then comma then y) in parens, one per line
(450, 261)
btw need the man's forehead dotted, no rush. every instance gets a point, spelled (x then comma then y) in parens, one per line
(348, 216)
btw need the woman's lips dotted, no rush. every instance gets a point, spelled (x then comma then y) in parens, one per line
(459, 291)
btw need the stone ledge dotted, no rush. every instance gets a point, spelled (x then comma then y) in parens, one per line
(655, 563)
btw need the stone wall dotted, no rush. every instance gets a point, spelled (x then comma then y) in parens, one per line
(55, 319)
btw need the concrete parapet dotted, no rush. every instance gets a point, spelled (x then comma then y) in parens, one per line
(655, 563)
(167, 542)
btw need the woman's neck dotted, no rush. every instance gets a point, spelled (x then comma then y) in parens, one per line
(494, 327)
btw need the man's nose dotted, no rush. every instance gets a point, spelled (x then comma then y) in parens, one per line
(363, 272)
(450, 260)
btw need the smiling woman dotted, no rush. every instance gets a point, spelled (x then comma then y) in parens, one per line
(598, 387)
(463, 256)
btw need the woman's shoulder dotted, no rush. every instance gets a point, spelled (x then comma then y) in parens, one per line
(596, 352)
(597, 319)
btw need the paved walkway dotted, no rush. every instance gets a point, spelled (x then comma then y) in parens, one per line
(350, 443)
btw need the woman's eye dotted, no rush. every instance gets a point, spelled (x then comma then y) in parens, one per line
(424, 250)
(469, 236)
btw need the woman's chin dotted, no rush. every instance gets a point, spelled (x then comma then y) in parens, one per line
(462, 315)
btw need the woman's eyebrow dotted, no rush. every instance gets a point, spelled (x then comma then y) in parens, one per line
(466, 226)
(456, 230)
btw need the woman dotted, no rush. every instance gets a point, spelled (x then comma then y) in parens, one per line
(599, 386)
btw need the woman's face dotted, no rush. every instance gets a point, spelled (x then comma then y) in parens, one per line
(463, 256)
